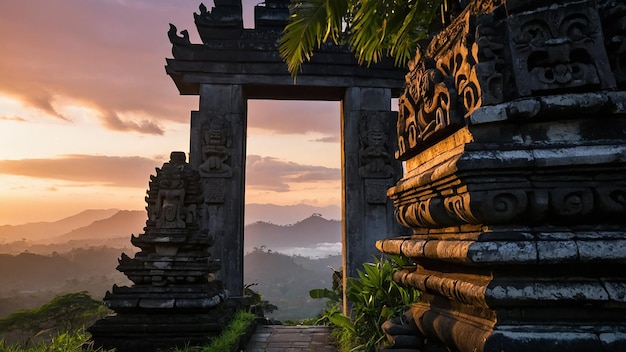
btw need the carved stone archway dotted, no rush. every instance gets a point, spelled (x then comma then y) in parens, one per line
(233, 65)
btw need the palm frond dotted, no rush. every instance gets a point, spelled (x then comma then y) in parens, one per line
(311, 23)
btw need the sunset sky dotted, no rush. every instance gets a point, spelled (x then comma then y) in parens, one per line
(87, 112)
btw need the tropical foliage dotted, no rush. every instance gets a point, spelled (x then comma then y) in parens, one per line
(56, 326)
(373, 298)
(64, 313)
(372, 29)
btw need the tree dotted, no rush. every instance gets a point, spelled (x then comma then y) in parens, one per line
(63, 313)
(372, 29)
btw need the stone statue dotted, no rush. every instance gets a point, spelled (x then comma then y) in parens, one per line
(169, 208)
(215, 150)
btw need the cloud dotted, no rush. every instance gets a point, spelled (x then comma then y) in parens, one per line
(327, 139)
(112, 171)
(272, 174)
(110, 56)
(12, 118)
(294, 117)
(113, 122)
(264, 173)
(107, 55)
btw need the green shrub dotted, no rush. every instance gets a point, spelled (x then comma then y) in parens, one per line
(73, 341)
(67, 312)
(373, 298)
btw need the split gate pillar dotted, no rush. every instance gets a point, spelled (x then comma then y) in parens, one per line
(369, 169)
(218, 152)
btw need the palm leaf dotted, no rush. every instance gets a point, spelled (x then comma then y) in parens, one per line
(311, 23)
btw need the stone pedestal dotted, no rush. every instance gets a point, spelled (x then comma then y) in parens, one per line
(512, 128)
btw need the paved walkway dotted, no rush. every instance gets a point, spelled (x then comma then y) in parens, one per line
(279, 338)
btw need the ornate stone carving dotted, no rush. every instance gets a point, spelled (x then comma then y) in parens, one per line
(172, 194)
(558, 47)
(459, 72)
(172, 34)
(552, 205)
(374, 156)
(215, 166)
(216, 144)
(427, 107)
(170, 209)
(376, 190)
(224, 21)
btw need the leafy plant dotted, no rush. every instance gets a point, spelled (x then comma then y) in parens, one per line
(373, 298)
(258, 304)
(372, 28)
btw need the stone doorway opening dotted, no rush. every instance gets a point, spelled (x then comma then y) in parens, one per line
(292, 203)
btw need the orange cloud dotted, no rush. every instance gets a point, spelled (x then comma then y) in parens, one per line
(294, 117)
(106, 55)
(12, 118)
(110, 56)
(113, 171)
(272, 174)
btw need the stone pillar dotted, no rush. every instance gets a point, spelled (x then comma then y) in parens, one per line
(218, 152)
(368, 170)
(512, 127)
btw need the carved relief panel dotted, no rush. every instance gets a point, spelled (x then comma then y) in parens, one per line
(559, 47)
(461, 70)
(375, 155)
(215, 166)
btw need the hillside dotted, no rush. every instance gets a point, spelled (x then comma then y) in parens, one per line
(43, 230)
(287, 214)
(306, 233)
(121, 224)
(27, 279)
(286, 284)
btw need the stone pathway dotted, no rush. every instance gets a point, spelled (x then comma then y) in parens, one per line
(279, 338)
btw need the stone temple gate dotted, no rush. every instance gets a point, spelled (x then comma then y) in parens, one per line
(234, 64)
(512, 128)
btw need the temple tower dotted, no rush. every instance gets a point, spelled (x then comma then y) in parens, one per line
(512, 126)
(175, 299)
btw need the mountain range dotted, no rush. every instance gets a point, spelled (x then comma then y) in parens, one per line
(113, 227)
(41, 230)
(80, 253)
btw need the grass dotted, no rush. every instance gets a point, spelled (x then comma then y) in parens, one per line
(74, 341)
(229, 339)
